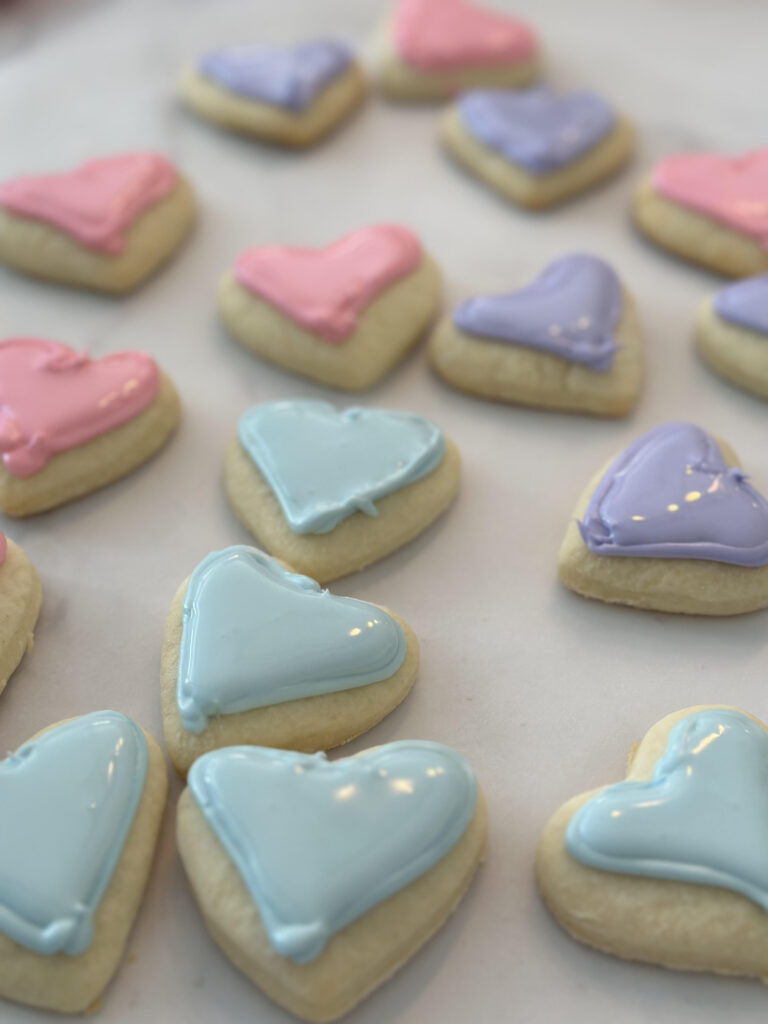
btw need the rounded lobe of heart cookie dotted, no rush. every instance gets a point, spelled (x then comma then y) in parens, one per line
(96, 203)
(671, 495)
(324, 465)
(445, 35)
(745, 303)
(701, 817)
(730, 190)
(290, 78)
(326, 290)
(537, 129)
(570, 310)
(255, 634)
(318, 843)
(53, 399)
(68, 798)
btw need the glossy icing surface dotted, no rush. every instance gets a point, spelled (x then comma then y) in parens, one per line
(53, 399)
(326, 290)
(730, 190)
(255, 634)
(289, 78)
(96, 203)
(324, 465)
(745, 303)
(701, 818)
(445, 35)
(318, 843)
(67, 802)
(536, 128)
(671, 495)
(570, 310)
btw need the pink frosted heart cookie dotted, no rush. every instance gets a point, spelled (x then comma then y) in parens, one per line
(343, 314)
(709, 209)
(106, 225)
(70, 424)
(431, 49)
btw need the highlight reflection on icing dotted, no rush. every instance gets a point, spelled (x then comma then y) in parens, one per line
(570, 310)
(67, 800)
(324, 465)
(671, 495)
(326, 290)
(701, 818)
(255, 634)
(731, 190)
(53, 399)
(440, 35)
(97, 202)
(536, 128)
(745, 303)
(289, 78)
(318, 843)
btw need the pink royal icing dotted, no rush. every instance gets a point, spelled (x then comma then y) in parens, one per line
(325, 290)
(97, 202)
(731, 190)
(53, 399)
(440, 35)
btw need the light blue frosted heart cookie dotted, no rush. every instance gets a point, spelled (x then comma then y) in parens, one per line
(701, 818)
(67, 802)
(255, 634)
(324, 465)
(319, 843)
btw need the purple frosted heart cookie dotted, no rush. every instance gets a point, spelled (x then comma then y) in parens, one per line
(672, 524)
(568, 340)
(536, 147)
(732, 333)
(291, 95)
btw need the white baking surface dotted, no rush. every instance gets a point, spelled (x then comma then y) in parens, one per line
(542, 690)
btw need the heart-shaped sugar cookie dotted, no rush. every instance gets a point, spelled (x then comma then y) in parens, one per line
(672, 524)
(20, 598)
(256, 654)
(340, 870)
(732, 333)
(669, 866)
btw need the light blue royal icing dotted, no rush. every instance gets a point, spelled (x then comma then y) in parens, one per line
(67, 802)
(255, 634)
(701, 818)
(318, 842)
(325, 465)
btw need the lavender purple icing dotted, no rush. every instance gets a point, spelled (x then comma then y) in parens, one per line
(745, 303)
(670, 495)
(289, 78)
(570, 310)
(536, 128)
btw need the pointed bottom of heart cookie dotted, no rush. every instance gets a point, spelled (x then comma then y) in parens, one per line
(735, 353)
(357, 541)
(358, 958)
(694, 237)
(673, 924)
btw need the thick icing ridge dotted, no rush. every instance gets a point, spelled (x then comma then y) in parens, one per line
(671, 495)
(536, 128)
(745, 303)
(445, 35)
(318, 843)
(324, 465)
(701, 818)
(68, 799)
(289, 78)
(326, 290)
(730, 190)
(53, 399)
(255, 634)
(570, 310)
(96, 203)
